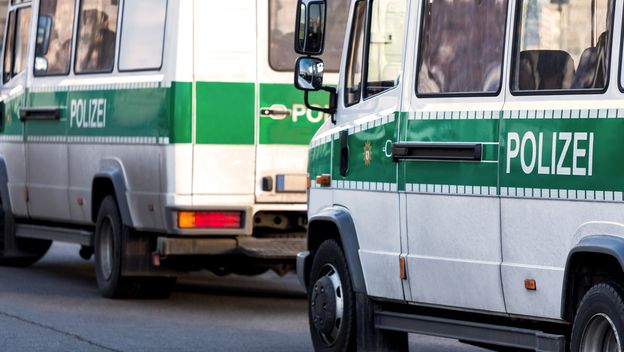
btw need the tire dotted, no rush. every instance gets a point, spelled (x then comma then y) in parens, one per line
(599, 321)
(109, 235)
(18, 252)
(331, 301)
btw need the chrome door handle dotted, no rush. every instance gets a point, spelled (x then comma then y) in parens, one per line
(274, 112)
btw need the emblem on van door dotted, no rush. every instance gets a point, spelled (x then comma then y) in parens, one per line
(368, 153)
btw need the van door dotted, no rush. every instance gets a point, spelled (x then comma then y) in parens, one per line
(560, 144)
(364, 177)
(14, 78)
(448, 155)
(45, 115)
(285, 126)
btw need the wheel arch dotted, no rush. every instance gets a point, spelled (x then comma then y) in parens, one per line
(596, 258)
(336, 223)
(110, 180)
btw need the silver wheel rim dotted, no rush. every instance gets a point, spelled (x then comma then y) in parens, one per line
(600, 335)
(330, 272)
(105, 252)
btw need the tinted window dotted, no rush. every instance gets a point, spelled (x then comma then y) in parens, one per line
(142, 35)
(55, 27)
(97, 31)
(461, 48)
(353, 74)
(283, 13)
(385, 46)
(562, 45)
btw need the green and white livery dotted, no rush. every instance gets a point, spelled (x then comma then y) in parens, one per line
(161, 135)
(472, 183)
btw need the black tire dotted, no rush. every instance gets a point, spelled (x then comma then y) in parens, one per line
(109, 235)
(599, 321)
(18, 252)
(330, 286)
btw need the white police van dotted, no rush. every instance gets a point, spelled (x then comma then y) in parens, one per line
(161, 135)
(470, 183)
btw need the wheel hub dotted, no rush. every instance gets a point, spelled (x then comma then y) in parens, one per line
(324, 305)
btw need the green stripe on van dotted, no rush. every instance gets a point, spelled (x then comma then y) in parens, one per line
(225, 113)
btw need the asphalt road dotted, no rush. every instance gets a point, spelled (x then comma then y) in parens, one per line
(54, 306)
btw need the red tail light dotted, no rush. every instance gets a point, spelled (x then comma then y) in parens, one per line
(209, 219)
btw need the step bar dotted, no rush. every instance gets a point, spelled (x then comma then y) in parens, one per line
(470, 331)
(81, 237)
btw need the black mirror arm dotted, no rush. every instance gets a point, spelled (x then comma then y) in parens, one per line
(333, 97)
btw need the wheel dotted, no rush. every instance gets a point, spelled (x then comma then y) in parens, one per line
(18, 252)
(599, 321)
(109, 234)
(331, 301)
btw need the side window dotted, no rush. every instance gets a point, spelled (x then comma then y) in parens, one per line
(142, 37)
(16, 51)
(9, 48)
(461, 47)
(282, 57)
(55, 28)
(97, 33)
(22, 36)
(385, 45)
(353, 75)
(562, 45)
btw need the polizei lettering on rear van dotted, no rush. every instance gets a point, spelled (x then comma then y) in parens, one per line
(565, 153)
(87, 113)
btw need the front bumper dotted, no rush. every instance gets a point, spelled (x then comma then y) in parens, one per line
(302, 261)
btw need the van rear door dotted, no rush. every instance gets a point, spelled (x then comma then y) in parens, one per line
(285, 126)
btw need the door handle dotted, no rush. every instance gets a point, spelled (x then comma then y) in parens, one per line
(437, 151)
(272, 112)
(42, 113)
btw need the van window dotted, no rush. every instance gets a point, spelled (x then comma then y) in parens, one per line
(142, 35)
(385, 45)
(97, 32)
(353, 76)
(562, 45)
(55, 27)
(461, 47)
(16, 47)
(9, 47)
(22, 36)
(282, 56)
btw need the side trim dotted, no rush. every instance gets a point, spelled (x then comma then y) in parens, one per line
(341, 218)
(598, 244)
(470, 331)
(119, 184)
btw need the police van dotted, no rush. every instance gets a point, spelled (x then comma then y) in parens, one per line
(161, 135)
(470, 181)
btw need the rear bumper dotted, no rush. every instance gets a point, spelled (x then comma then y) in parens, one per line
(260, 248)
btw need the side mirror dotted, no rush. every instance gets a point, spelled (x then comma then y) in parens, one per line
(309, 74)
(310, 27)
